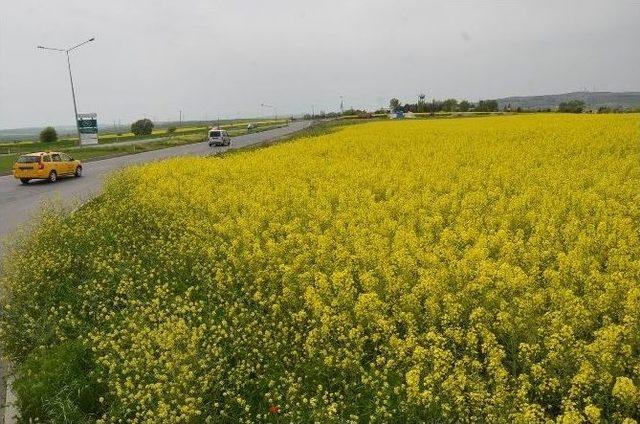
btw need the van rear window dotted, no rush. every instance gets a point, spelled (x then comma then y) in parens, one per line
(28, 159)
(214, 134)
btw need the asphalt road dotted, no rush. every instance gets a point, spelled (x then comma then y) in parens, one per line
(19, 203)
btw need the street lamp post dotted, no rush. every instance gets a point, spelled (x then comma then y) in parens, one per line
(275, 110)
(73, 91)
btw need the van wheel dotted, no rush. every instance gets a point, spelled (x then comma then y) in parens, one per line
(78, 172)
(53, 177)
(25, 180)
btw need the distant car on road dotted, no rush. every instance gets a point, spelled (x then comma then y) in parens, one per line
(218, 137)
(46, 166)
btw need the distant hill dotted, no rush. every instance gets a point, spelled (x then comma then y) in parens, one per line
(593, 99)
(30, 133)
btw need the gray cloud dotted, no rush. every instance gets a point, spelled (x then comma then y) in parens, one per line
(224, 58)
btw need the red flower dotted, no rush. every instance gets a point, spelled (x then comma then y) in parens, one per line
(274, 409)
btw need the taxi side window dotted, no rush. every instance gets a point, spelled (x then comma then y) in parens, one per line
(56, 158)
(46, 158)
(65, 158)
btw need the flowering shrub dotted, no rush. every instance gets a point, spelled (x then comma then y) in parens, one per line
(474, 270)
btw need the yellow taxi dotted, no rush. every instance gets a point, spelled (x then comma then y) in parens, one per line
(46, 166)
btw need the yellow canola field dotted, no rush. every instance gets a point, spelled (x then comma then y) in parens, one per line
(455, 270)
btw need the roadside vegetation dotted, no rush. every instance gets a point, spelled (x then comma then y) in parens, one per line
(48, 135)
(9, 152)
(445, 270)
(142, 127)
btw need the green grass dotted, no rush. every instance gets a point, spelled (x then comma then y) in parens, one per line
(57, 382)
(112, 149)
(6, 162)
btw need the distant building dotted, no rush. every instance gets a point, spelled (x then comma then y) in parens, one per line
(399, 114)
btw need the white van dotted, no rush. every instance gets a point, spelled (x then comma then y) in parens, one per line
(218, 137)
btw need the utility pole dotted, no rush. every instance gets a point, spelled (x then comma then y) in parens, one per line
(275, 110)
(73, 91)
(180, 118)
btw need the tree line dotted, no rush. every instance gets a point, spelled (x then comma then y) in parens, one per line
(421, 106)
(447, 105)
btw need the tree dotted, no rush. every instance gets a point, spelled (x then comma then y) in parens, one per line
(394, 104)
(48, 135)
(449, 105)
(142, 127)
(572, 106)
(421, 106)
(432, 107)
(464, 106)
(487, 106)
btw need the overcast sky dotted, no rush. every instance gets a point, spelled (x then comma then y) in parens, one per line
(224, 58)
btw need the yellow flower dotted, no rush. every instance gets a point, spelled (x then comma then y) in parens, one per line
(625, 391)
(442, 270)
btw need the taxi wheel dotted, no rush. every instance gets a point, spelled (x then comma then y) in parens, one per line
(78, 172)
(53, 177)
(25, 180)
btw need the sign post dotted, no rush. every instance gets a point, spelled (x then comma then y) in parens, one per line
(88, 128)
